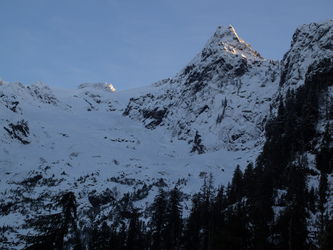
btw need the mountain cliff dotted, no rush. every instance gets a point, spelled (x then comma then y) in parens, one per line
(117, 150)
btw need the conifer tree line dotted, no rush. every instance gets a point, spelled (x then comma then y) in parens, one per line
(238, 216)
(269, 204)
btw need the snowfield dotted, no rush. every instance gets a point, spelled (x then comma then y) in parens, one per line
(83, 143)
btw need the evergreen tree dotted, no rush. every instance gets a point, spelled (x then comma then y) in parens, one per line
(307, 97)
(197, 144)
(159, 220)
(118, 237)
(206, 218)
(219, 224)
(52, 229)
(260, 208)
(174, 225)
(236, 188)
(135, 234)
(276, 150)
(293, 218)
(100, 237)
(323, 217)
(236, 231)
(249, 181)
(323, 187)
(208, 192)
(76, 242)
(193, 239)
(326, 234)
(324, 157)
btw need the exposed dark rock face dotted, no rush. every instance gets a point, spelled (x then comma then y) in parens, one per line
(42, 92)
(19, 131)
(156, 115)
(104, 198)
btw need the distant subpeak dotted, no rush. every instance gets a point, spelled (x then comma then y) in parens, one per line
(100, 86)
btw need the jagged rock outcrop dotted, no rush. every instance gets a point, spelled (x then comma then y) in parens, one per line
(311, 44)
(42, 92)
(19, 131)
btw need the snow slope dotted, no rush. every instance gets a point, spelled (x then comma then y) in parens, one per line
(80, 141)
(102, 144)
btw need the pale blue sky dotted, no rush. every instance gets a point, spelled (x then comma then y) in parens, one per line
(133, 43)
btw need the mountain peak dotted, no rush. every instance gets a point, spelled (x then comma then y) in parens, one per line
(226, 38)
(225, 33)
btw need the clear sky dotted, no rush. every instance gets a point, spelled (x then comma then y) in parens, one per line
(133, 43)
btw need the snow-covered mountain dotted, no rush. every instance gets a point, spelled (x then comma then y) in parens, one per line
(103, 144)
(223, 95)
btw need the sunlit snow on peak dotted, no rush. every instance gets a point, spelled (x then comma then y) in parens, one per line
(99, 86)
